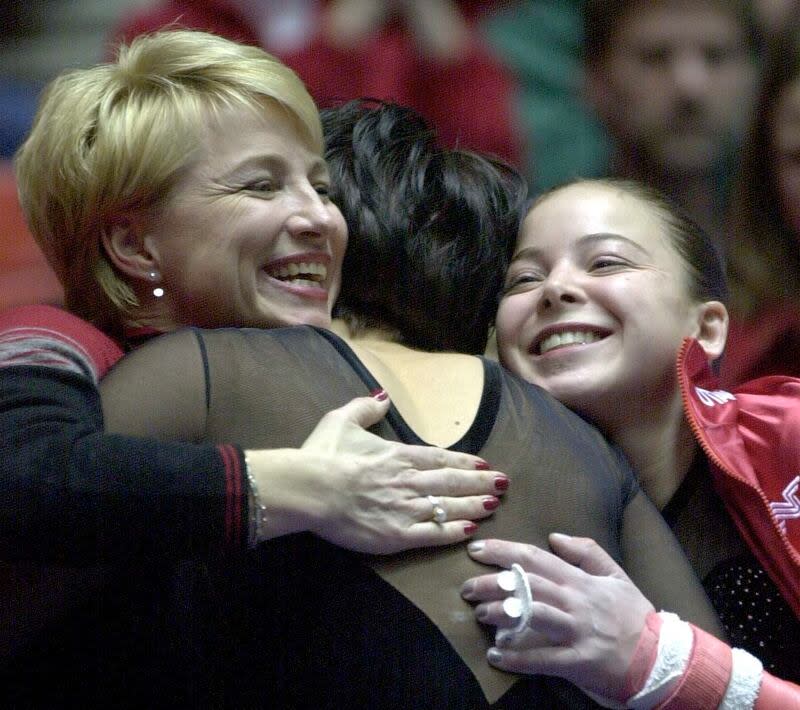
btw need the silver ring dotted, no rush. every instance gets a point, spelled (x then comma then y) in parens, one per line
(439, 513)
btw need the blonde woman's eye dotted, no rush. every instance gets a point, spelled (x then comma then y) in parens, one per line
(261, 186)
(323, 190)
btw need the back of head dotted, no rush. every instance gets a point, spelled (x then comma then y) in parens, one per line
(431, 229)
(109, 142)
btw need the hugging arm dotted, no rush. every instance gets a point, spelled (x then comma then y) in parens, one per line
(591, 625)
(73, 494)
(344, 483)
(595, 625)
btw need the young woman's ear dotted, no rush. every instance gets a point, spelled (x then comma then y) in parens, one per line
(712, 328)
(130, 251)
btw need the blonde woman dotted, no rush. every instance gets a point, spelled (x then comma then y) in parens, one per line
(182, 184)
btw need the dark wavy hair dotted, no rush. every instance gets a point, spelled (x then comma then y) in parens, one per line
(431, 229)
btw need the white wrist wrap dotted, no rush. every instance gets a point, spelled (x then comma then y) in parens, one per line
(745, 682)
(674, 648)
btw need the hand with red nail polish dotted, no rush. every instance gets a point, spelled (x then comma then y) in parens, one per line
(374, 495)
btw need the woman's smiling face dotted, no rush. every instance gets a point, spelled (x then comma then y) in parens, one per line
(596, 301)
(249, 236)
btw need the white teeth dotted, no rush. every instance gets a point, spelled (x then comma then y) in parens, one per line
(567, 338)
(317, 271)
(305, 282)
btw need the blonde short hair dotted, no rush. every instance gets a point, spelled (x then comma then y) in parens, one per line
(112, 140)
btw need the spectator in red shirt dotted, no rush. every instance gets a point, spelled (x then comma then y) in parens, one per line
(425, 54)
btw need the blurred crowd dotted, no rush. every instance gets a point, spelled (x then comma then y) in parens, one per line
(700, 98)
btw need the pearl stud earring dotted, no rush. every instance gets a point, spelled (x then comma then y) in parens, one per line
(158, 291)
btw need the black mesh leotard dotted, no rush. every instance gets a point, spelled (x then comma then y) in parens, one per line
(754, 614)
(302, 623)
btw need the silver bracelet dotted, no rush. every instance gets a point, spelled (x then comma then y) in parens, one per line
(258, 511)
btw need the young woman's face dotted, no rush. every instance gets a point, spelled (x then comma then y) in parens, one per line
(249, 237)
(596, 302)
(786, 146)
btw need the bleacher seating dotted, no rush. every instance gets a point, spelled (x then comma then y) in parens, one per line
(25, 276)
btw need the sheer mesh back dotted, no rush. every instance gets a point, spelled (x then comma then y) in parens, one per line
(269, 389)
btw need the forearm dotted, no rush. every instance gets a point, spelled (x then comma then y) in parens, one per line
(283, 488)
(75, 494)
(678, 665)
(590, 624)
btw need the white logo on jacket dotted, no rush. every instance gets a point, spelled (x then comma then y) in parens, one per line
(789, 507)
(711, 398)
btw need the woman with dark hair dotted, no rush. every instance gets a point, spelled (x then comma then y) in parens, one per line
(608, 283)
(354, 631)
(467, 194)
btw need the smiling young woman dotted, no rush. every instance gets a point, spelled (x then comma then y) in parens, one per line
(614, 302)
(596, 303)
(430, 233)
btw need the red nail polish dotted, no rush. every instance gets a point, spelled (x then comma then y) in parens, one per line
(470, 529)
(490, 503)
(379, 394)
(482, 466)
(501, 483)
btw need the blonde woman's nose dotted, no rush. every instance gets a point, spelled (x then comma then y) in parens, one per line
(311, 216)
